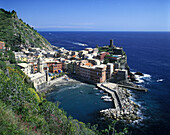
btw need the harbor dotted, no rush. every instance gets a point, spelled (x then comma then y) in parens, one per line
(124, 108)
(80, 100)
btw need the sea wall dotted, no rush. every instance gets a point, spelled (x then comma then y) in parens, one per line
(125, 109)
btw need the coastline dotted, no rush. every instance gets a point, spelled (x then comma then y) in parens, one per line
(56, 82)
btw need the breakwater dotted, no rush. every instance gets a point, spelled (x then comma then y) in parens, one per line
(125, 109)
(133, 87)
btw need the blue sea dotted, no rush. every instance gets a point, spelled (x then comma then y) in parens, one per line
(147, 52)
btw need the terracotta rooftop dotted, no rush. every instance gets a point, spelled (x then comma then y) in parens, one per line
(74, 56)
(89, 64)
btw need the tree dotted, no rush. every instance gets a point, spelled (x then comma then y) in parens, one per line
(2, 65)
(12, 57)
(106, 61)
(97, 46)
(0, 54)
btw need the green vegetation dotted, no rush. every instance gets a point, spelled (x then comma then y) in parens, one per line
(28, 112)
(2, 65)
(7, 56)
(113, 51)
(105, 49)
(15, 32)
(106, 61)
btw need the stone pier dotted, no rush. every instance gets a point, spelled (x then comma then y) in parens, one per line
(124, 108)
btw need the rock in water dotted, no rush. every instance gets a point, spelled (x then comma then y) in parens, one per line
(132, 77)
(139, 73)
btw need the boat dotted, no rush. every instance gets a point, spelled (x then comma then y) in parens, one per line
(95, 88)
(97, 94)
(81, 91)
(108, 100)
(101, 91)
(106, 97)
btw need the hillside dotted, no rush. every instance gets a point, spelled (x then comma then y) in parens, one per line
(14, 32)
(24, 111)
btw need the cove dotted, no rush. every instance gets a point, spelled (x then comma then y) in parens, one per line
(80, 100)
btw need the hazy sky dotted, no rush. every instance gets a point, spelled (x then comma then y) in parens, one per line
(92, 15)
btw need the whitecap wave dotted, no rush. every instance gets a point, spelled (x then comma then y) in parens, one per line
(80, 44)
(141, 79)
(133, 72)
(146, 75)
(160, 80)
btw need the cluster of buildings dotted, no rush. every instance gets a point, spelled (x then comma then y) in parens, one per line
(88, 64)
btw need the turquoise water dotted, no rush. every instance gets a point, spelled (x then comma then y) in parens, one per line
(79, 100)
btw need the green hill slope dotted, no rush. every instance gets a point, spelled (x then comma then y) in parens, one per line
(24, 111)
(14, 31)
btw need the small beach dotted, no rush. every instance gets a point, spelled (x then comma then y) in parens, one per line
(57, 82)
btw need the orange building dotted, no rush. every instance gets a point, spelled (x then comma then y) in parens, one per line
(98, 74)
(90, 73)
(54, 66)
(34, 67)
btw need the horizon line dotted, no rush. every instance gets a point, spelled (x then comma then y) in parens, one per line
(93, 31)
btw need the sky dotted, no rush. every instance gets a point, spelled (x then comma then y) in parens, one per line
(92, 15)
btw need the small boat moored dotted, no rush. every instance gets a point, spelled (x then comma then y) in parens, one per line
(106, 97)
(108, 100)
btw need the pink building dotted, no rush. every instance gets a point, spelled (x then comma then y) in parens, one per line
(102, 55)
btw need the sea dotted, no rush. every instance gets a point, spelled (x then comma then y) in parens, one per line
(147, 52)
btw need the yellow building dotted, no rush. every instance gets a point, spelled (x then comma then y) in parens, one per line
(23, 59)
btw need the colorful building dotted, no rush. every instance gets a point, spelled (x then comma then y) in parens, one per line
(98, 74)
(54, 66)
(91, 73)
(102, 55)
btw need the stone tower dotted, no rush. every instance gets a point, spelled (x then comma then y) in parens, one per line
(112, 44)
(40, 65)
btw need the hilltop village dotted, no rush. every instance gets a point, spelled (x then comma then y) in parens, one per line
(93, 65)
